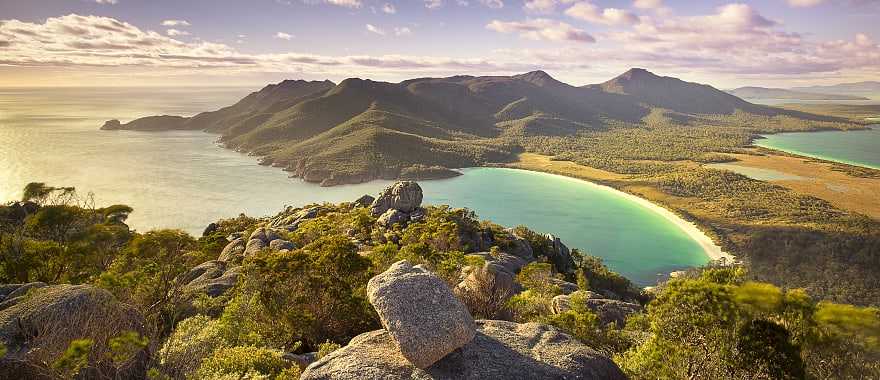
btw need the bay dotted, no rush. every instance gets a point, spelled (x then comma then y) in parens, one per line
(860, 148)
(182, 179)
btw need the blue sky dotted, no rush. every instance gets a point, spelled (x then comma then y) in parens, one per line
(237, 42)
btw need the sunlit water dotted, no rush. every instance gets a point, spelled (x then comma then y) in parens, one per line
(183, 180)
(860, 148)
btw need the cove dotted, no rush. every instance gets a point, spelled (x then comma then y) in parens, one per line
(182, 179)
(861, 148)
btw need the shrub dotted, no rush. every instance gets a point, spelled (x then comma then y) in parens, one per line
(244, 362)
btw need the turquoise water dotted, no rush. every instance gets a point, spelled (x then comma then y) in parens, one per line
(860, 148)
(183, 180)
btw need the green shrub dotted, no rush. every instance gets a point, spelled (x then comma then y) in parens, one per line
(244, 362)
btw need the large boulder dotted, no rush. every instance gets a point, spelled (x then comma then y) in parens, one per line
(291, 218)
(265, 234)
(520, 247)
(213, 278)
(500, 350)
(562, 302)
(364, 201)
(234, 251)
(486, 289)
(392, 217)
(420, 312)
(253, 246)
(279, 244)
(405, 196)
(39, 328)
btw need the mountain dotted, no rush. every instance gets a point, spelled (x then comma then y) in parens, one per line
(867, 88)
(779, 93)
(359, 129)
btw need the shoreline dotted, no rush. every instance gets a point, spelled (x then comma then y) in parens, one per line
(763, 137)
(712, 250)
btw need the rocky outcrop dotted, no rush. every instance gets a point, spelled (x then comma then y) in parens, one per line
(364, 201)
(291, 218)
(405, 196)
(234, 251)
(39, 328)
(560, 256)
(499, 350)
(420, 313)
(281, 244)
(213, 278)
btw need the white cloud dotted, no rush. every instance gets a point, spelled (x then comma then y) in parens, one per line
(648, 4)
(433, 4)
(374, 29)
(283, 36)
(175, 23)
(175, 32)
(587, 11)
(106, 1)
(402, 31)
(389, 8)
(804, 3)
(345, 3)
(542, 29)
(494, 4)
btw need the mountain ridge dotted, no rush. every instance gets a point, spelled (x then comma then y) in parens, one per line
(753, 92)
(360, 129)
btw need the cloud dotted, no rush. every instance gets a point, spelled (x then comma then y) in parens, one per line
(542, 29)
(804, 3)
(175, 23)
(389, 8)
(648, 4)
(402, 31)
(494, 4)
(175, 32)
(584, 10)
(283, 36)
(433, 4)
(374, 29)
(106, 1)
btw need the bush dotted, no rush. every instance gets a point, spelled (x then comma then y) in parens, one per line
(244, 362)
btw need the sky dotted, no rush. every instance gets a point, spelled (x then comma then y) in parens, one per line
(772, 43)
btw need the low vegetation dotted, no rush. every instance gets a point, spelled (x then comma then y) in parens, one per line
(715, 322)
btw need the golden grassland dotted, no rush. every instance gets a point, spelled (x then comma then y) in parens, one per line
(822, 180)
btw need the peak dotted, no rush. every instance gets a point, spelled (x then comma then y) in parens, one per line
(538, 77)
(637, 73)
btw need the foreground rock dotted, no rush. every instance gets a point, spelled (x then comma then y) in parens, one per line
(420, 312)
(405, 196)
(500, 350)
(38, 329)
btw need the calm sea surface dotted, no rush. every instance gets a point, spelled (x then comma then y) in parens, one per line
(852, 147)
(183, 180)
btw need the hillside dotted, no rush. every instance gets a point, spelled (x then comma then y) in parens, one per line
(360, 129)
(779, 93)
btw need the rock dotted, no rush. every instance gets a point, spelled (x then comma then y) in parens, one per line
(213, 278)
(11, 294)
(511, 263)
(500, 350)
(520, 247)
(418, 215)
(420, 313)
(112, 125)
(612, 311)
(265, 234)
(235, 235)
(40, 327)
(234, 251)
(405, 196)
(475, 241)
(210, 229)
(562, 302)
(301, 360)
(486, 289)
(253, 246)
(392, 217)
(364, 201)
(560, 256)
(565, 286)
(279, 244)
(291, 221)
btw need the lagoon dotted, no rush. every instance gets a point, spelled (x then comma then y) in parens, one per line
(183, 180)
(861, 148)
